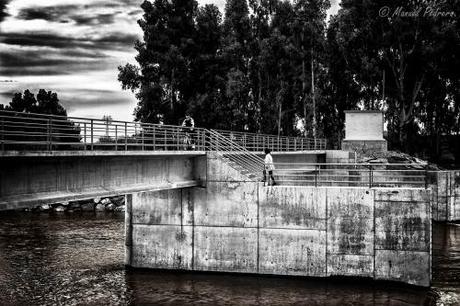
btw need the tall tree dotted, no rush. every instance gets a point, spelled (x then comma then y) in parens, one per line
(405, 48)
(162, 82)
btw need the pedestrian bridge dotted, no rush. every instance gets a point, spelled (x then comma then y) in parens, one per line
(49, 159)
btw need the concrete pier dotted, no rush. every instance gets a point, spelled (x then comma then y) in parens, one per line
(234, 225)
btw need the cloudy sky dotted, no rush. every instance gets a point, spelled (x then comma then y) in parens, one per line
(72, 47)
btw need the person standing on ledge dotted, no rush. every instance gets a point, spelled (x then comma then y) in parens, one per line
(268, 167)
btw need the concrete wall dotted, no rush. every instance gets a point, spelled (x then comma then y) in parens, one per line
(364, 132)
(364, 146)
(297, 157)
(238, 226)
(363, 125)
(30, 179)
(340, 156)
(445, 197)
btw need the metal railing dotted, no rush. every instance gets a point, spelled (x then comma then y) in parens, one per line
(26, 131)
(352, 174)
(258, 142)
(248, 163)
(29, 131)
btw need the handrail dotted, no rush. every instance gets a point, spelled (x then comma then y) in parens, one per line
(352, 174)
(31, 131)
(258, 142)
(236, 153)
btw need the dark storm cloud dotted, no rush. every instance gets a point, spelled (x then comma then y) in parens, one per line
(48, 13)
(112, 40)
(72, 48)
(41, 63)
(3, 12)
(80, 14)
(41, 40)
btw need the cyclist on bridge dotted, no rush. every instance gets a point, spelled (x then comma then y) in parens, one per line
(189, 126)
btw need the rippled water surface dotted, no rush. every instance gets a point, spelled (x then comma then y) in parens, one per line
(77, 259)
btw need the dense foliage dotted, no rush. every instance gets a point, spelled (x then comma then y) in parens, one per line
(46, 102)
(271, 65)
(30, 128)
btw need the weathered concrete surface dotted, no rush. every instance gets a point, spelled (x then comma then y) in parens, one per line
(292, 237)
(30, 179)
(364, 132)
(403, 236)
(445, 199)
(350, 231)
(225, 249)
(298, 157)
(350, 265)
(364, 146)
(160, 246)
(219, 171)
(363, 125)
(237, 204)
(162, 229)
(340, 156)
(292, 252)
(286, 208)
(306, 231)
(405, 266)
(168, 207)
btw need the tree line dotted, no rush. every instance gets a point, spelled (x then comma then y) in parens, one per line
(271, 66)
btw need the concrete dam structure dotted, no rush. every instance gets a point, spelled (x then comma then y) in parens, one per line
(232, 224)
(206, 209)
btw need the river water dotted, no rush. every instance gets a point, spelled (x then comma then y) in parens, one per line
(77, 259)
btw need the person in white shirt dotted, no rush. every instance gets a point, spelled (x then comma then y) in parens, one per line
(268, 167)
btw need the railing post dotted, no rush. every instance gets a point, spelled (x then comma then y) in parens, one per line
(126, 136)
(116, 137)
(295, 144)
(3, 133)
(316, 175)
(142, 137)
(84, 136)
(49, 134)
(426, 176)
(178, 139)
(92, 134)
(153, 138)
(371, 177)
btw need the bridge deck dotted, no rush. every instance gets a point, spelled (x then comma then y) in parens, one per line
(100, 153)
(28, 200)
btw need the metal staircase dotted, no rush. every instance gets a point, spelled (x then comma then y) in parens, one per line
(238, 157)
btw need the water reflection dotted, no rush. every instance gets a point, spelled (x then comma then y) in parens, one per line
(77, 259)
(446, 263)
(217, 289)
